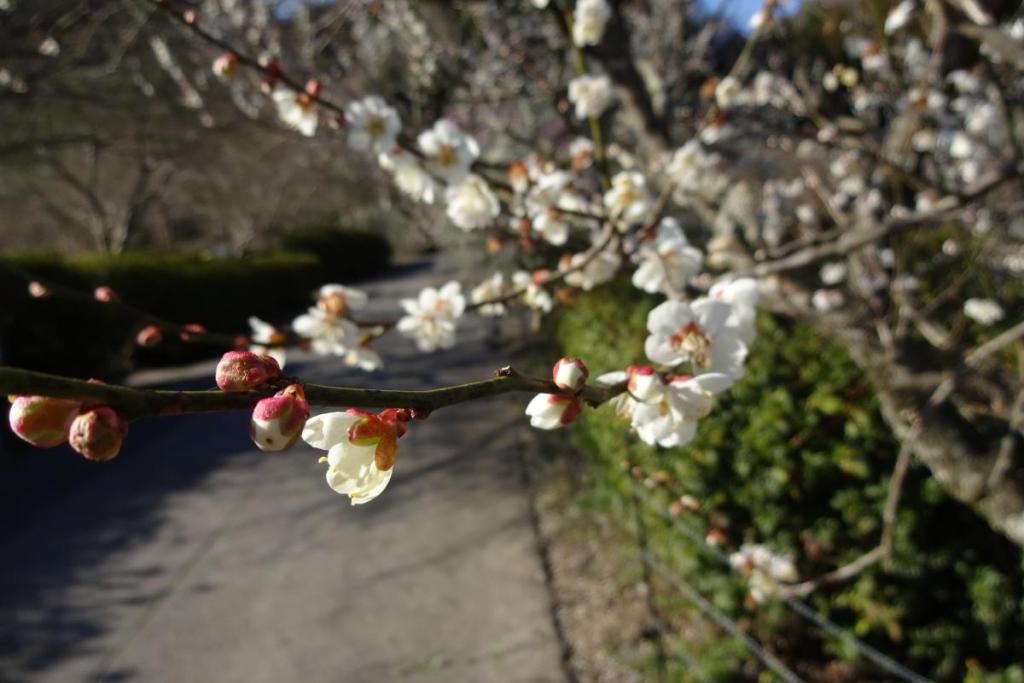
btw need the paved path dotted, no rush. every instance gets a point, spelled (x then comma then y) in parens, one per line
(194, 557)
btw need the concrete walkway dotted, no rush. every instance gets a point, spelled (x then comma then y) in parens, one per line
(194, 557)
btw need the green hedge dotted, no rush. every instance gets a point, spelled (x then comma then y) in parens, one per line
(797, 456)
(91, 339)
(87, 338)
(345, 254)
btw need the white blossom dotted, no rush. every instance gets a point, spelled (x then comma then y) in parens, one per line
(534, 295)
(742, 295)
(328, 334)
(409, 175)
(339, 299)
(984, 311)
(449, 151)
(363, 357)
(833, 273)
(764, 568)
(628, 197)
(471, 204)
(431, 318)
(671, 419)
(727, 92)
(489, 290)
(899, 17)
(267, 340)
(698, 333)
(296, 110)
(591, 95)
(351, 468)
(589, 20)
(581, 152)
(551, 225)
(372, 125)
(667, 260)
(600, 268)
(688, 162)
(826, 300)
(49, 47)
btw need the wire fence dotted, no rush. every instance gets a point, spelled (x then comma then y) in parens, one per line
(797, 606)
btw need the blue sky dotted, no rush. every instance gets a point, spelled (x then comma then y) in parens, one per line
(740, 11)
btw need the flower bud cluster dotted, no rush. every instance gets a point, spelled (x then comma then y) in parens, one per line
(96, 432)
(551, 411)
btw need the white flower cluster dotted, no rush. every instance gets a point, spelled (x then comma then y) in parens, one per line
(709, 338)
(327, 328)
(431, 318)
(765, 570)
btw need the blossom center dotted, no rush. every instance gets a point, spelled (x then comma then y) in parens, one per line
(446, 155)
(694, 342)
(334, 304)
(375, 126)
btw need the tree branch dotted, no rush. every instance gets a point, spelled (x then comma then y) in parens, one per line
(135, 403)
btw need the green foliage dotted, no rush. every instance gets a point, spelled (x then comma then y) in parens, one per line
(345, 254)
(91, 339)
(797, 456)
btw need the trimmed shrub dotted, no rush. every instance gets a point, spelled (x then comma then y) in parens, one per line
(345, 254)
(797, 456)
(89, 338)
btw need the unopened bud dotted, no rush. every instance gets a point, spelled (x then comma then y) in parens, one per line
(570, 374)
(190, 331)
(245, 371)
(105, 294)
(225, 65)
(551, 411)
(519, 176)
(42, 421)
(98, 434)
(37, 290)
(149, 336)
(277, 421)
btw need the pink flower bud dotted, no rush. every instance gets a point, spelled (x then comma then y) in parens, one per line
(277, 421)
(37, 290)
(551, 411)
(149, 336)
(191, 330)
(42, 421)
(245, 371)
(313, 87)
(570, 374)
(98, 434)
(105, 294)
(225, 65)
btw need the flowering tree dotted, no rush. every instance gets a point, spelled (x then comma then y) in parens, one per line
(865, 182)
